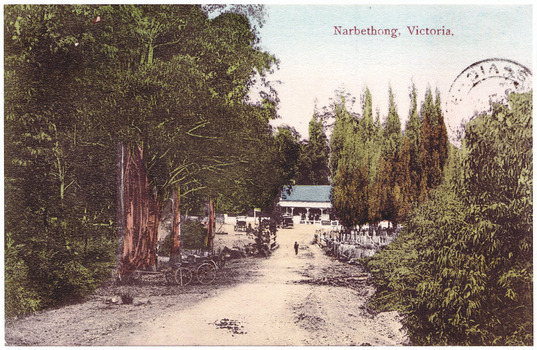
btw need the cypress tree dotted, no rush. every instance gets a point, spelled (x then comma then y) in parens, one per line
(392, 130)
(387, 177)
(433, 144)
(441, 137)
(366, 121)
(337, 141)
(404, 181)
(412, 133)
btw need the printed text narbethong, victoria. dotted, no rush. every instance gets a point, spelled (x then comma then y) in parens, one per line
(392, 32)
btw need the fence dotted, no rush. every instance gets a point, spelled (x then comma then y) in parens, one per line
(354, 244)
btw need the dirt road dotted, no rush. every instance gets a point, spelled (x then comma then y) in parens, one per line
(277, 308)
(286, 299)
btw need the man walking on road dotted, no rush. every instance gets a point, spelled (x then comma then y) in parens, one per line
(296, 248)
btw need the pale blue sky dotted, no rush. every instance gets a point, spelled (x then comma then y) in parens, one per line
(314, 61)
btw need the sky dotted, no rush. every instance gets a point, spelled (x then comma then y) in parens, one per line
(315, 61)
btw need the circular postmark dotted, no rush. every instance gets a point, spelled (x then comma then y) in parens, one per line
(479, 86)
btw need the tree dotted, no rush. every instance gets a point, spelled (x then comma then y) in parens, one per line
(56, 161)
(288, 149)
(389, 188)
(367, 122)
(158, 80)
(313, 161)
(441, 136)
(433, 144)
(356, 150)
(403, 191)
(350, 194)
(466, 277)
(343, 128)
(349, 170)
(392, 131)
(412, 134)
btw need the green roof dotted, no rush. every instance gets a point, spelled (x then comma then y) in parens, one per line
(306, 193)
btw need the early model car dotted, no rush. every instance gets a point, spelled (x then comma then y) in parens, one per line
(287, 221)
(240, 224)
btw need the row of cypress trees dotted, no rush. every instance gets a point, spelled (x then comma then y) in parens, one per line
(377, 171)
(461, 270)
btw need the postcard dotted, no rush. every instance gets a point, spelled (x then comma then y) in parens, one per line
(268, 174)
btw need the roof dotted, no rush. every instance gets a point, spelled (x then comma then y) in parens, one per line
(307, 193)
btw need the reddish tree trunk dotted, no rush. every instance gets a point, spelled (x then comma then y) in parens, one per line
(211, 225)
(120, 211)
(139, 215)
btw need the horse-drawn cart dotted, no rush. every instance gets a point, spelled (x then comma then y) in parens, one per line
(203, 269)
(240, 224)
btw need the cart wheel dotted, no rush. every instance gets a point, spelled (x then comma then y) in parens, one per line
(183, 276)
(206, 273)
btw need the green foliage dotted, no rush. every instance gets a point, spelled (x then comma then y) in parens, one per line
(313, 161)
(264, 234)
(433, 151)
(193, 234)
(165, 78)
(288, 150)
(392, 131)
(165, 248)
(19, 296)
(462, 268)
(388, 169)
(400, 169)
(412, 137)
(352, 152)
(339, 141)
(350, 195)
(57, 167)
(126, 297)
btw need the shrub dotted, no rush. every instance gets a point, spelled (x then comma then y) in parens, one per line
(462, 268)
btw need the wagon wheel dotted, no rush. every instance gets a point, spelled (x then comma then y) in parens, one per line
(183, 276)
(206, 273)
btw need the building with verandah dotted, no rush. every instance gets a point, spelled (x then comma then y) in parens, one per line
(307, 203)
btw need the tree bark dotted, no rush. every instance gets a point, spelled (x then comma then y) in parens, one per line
(211, 225)
(138, 216)
(175, 254)
(120, 210)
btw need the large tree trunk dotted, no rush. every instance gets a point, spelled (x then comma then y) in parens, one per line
(175, 255)
(211, 225)
(138, 215)
(120, 210)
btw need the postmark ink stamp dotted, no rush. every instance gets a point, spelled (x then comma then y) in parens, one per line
(480, 85)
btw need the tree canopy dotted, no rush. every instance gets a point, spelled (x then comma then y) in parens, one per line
(312, 166)
(171, 80)
(378, 172)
